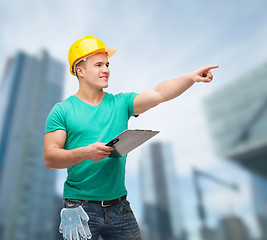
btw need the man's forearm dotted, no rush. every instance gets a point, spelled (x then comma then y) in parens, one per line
(173, 88)
(163, 92)
(56, 158)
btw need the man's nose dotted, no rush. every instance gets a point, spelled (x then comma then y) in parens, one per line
(105, 69)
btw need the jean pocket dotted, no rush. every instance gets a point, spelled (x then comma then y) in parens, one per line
(71, 203)
(126, 207)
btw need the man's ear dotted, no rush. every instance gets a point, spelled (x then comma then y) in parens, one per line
(79, 71)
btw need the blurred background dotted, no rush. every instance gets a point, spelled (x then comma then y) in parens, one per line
(205, 175)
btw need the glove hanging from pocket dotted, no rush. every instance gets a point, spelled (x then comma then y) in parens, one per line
(74, 224)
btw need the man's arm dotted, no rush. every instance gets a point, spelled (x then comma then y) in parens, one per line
(55, 157)
(170, 89)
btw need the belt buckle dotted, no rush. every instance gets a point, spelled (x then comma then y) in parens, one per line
(104, 205)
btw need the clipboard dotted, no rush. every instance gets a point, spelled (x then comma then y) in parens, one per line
(129, 140)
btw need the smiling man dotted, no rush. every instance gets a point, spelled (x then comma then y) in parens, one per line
(77, 130)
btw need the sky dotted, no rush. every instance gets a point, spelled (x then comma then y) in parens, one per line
(156, 41)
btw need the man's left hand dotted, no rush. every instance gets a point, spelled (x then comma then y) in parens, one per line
(203, 74)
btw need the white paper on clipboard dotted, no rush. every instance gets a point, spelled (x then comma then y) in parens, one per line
(129, 140)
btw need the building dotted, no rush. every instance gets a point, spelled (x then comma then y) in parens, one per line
(30, 87)
(57, 217)
(232, 228)
(259, 195)
(162, 218)
(237, 117)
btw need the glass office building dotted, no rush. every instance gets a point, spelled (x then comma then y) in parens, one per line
(237, 117)
(162, 218)
(29, 89)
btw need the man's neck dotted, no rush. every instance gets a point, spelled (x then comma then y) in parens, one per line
(92, 97)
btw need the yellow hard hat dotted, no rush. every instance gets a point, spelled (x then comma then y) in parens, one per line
(84, 47)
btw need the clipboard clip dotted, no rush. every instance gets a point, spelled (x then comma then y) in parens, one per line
(113, 142)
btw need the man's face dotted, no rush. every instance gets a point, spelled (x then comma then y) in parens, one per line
(95, 71)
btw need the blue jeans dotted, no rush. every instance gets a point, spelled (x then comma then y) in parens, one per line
(111, 223)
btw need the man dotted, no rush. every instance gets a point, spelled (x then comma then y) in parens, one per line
(77, 131)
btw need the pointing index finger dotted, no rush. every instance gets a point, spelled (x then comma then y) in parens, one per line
(211, 67)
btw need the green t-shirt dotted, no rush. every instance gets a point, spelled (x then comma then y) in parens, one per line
(86, 124)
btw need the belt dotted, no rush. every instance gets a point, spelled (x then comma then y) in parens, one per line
(110, 202)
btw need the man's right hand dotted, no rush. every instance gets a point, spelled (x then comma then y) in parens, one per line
(97, 151)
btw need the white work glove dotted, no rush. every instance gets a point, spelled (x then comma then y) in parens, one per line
(74, 224)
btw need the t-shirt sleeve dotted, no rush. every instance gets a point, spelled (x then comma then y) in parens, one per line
(129, 97)
(55, 119)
